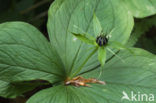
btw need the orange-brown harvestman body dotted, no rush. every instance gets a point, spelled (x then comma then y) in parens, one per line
(80, 81)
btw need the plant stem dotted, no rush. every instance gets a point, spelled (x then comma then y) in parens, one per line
(80, 68)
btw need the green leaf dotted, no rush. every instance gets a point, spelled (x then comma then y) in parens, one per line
(63, 15)
(25, 54)
(83, 38)
(118, 46)
(12, 90)
(137, 74)
(96, 25)
(119, 77)
(69, 94)
(141, 8)
(102, 55)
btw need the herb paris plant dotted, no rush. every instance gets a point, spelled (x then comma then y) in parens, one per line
(101, 42)
(26, 55)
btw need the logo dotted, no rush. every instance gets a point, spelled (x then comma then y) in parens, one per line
(133, 96)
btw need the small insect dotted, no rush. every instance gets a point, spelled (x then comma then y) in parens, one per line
(102, 40)
(80, 81)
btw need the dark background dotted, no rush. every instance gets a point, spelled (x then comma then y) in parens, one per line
(31, 11)
(35, 13)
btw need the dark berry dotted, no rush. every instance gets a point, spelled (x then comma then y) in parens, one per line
(101, 40)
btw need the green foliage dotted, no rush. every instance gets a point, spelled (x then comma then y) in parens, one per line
(22, 54)
(83, 38)
(141, 8)
(25, 51)
(12, 90)
(26, 55)
(63, 20)
(136, 74)
(102, 56)
(119, 77)
(96, 25)
(102, 38)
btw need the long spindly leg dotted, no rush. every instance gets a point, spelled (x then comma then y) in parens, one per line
(115, 54)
